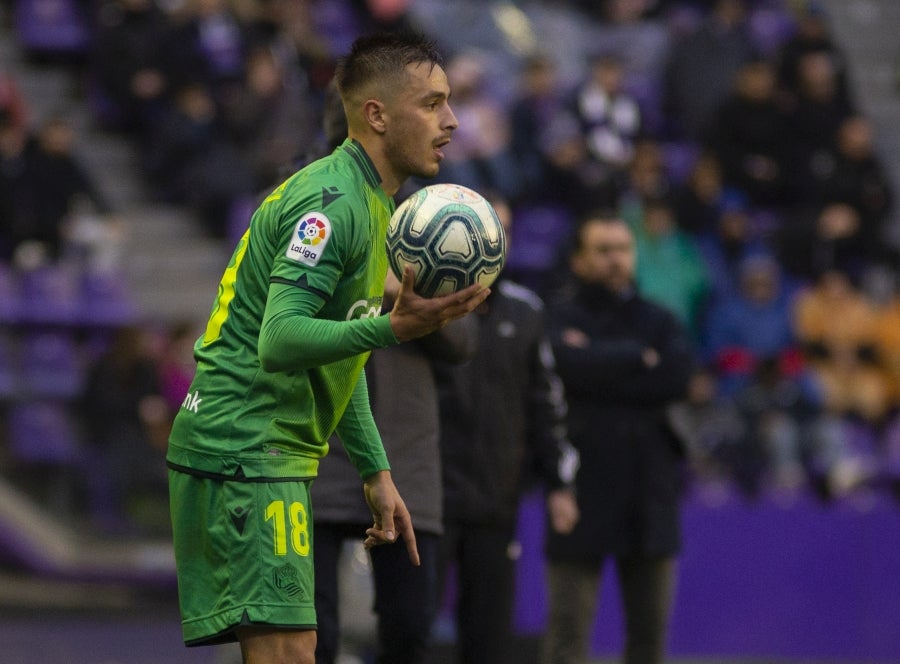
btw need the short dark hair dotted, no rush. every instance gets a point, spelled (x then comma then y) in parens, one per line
(383, 56)
(603, 215)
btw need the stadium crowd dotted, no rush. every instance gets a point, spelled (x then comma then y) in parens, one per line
(726, 132)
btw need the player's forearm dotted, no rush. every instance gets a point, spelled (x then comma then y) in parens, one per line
(292, 340)
(359, 434)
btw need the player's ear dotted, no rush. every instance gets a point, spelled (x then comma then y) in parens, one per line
(373, 111)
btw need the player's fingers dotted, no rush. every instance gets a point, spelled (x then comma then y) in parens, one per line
(409, 537)
(408, 279)
(387, 526)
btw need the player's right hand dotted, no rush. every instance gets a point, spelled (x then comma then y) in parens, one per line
(414, 316)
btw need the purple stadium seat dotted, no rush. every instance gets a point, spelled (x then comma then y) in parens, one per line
(536, 240)
(46, 451)
(51, 365)
(105, 300)
(42, 432)
(49, 294)
(53, 27)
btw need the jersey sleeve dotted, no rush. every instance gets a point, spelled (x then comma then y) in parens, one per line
(291, 339)
(359, 434)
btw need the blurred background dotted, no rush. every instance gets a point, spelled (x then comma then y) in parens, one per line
(754, 146)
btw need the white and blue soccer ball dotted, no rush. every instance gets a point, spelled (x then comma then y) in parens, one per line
(450, 235)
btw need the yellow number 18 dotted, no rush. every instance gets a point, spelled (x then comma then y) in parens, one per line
(296, 513)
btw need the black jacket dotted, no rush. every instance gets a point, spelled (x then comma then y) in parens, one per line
(630, 463)
(502, 413)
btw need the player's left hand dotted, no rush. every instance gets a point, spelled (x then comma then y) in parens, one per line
(391, 518)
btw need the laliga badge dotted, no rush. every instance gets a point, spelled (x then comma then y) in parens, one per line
(310, 238)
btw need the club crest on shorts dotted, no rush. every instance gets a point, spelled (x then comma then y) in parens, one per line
(309, 239)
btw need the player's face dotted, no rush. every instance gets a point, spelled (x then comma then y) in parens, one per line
(420, 123)
(606, 256)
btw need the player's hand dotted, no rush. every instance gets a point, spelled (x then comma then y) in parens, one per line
(562, 507)
(414, 316)
(391, 518)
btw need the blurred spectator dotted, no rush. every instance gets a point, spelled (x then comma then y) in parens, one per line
(480, 156)
(752, 325)
(43, 181)
(854, 175)
(609, 116)
(837, 324)
(749, 135)
(727, 246)
(698, 200)
(816, 114)
(532, 112)
(126, 420)
(638, 37)
(191, 161)
(127, 68)
(645, 177)
(574, 179)
(791, 430)
(210, 43)
(720, 450)
(822, 237)
(811, 34)
(702, 67)
(751, 343)
(269, 118)
(670, 269)
(291, 29)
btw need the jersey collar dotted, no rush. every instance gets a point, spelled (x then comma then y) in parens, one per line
(355, 149)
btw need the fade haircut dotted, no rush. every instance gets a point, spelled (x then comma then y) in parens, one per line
(381, 60)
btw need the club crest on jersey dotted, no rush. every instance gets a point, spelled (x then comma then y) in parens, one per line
(310, 238)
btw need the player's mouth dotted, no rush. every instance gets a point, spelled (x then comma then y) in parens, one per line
(438, 151)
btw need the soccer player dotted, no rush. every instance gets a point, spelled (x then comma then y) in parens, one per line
(280, 365)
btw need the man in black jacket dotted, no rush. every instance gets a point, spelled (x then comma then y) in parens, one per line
(622, 360)
(502, 426)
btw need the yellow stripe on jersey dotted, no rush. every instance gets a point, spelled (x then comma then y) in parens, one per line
(226, 293)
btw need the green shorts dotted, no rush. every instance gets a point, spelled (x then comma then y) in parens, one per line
(243, 553)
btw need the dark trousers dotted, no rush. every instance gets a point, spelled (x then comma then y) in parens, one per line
(647, 586)
(484, 560)
(406, 596)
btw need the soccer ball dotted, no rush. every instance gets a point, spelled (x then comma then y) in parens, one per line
(451, 236)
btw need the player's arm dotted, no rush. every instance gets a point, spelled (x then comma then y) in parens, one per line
(359, 435)
(292, 339)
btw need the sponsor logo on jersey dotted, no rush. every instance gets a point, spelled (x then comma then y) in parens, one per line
(364, 309)
(192, 401)
(309, 239)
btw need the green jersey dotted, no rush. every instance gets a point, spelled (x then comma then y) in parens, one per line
(280, 365)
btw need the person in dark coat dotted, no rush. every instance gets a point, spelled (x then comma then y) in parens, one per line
(404, 400)
(623, 360)
(503, 431)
